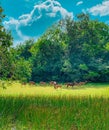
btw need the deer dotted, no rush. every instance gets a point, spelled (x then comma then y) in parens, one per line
(32, 83)
(70, 84)
(57, 86)
(81, 83)
(42, 83)
(51, 82)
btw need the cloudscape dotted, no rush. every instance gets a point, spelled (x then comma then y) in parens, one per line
(30, 18)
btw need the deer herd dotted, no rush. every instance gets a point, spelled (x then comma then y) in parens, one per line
(56, 85)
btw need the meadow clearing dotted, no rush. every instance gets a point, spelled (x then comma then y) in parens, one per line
(35, 107)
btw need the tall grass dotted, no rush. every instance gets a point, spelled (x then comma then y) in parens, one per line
(61, 110)
(54, 113)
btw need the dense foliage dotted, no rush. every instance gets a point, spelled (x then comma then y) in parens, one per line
(71, 50)
(5, 55)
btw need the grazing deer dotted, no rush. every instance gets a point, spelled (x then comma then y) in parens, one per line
(32, 83)
(42, 83)
(81, 83)
(53, 83)
(76, 83)
(70, 84)
(57, 86)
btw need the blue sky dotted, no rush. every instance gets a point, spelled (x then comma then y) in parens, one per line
(30, 18)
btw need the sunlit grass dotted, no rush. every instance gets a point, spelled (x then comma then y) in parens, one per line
(25, 107)
(17, 89)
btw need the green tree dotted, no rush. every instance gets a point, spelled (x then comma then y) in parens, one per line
(23, 49)
(22, 70)
(48, 54)
(86, 44)
(5, 44)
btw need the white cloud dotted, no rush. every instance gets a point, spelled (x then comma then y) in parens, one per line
(14, 25)
(50, 9)
(52, 6)
(79, 3)
(100, 9)
(12, 22)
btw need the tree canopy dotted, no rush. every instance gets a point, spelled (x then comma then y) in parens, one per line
(70, 50)
(5, 44)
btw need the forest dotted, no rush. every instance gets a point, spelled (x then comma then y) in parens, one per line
(70, 50)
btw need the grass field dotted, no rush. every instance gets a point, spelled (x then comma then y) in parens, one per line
(25, 107)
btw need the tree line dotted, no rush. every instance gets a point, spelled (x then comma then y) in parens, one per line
(70, 50)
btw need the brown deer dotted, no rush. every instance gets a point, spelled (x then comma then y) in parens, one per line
(53, 83)
(42, 83)
(70, 84)
(57, 86)
(32, 83)
(76, 83)
(81, 83)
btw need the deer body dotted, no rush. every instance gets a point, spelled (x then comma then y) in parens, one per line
(57, 86)
(32, 83)
(70, 84)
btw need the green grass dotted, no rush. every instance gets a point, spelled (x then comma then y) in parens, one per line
(93, 90)
(44, 108)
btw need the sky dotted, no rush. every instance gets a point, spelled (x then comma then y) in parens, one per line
(31, 18)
